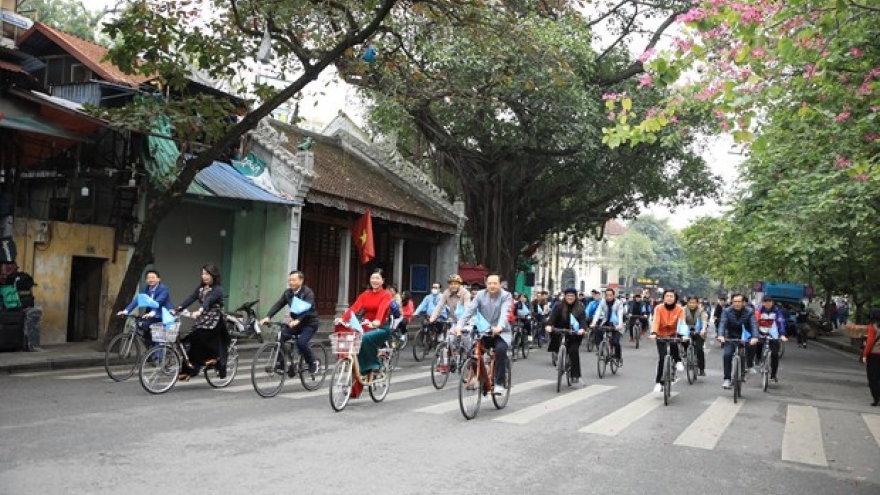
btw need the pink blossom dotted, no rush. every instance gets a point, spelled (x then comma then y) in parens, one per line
(610, 96)
(875, 109)
(758, 52)
(647, 55)
(842, 117)
(809, 71)
(683, 45)
(863, 177)
(752, 15)
(842, 162)
(871, 137)
(719, 113)
(855, 52)
(692, 15)
(725, 125)
(611, 115)
(673, 119)
(645, 80)
(651, 112)
(842, 78)
(864, 90)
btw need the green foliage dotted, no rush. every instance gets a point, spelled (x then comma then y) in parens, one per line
(670, 262)
(70, 16)
(633, 253)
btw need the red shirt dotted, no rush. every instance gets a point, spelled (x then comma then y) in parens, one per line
(375, 304)
(871, 346)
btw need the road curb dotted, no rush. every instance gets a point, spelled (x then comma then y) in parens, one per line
(839, 345)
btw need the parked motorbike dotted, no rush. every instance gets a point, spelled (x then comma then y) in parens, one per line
(243, 322)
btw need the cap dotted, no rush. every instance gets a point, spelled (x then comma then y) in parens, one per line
(594, 291)
(571, 290)
(454, 278)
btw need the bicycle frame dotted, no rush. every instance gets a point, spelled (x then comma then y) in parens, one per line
(482, 374)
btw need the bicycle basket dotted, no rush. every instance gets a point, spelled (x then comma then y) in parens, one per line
(160, 333)
(345, 344)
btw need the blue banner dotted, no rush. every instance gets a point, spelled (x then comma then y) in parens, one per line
(298, 306)
(167, 318)
(481, 323)
(355, 324)
(145, 301)
(574, 323)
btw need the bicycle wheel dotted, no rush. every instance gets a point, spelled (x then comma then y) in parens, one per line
(615, 365)
(765, 369)
(637, 334)
(340, 384)
(514, 344)
(560, 368)
(667, 379)
(212, 374)
(395, 356)
(379, 390)
(590, 343)
(267, 370)
(470, 392)
(735, 375)
(421, 345)
(500, 401)
(314, 381)
(122, 356)
(441, 358)
(602, 362)
(525, 347)
(159, 369)
(691, 364)
(781, 348)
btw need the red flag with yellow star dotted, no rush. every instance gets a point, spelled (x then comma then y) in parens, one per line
(362, 231)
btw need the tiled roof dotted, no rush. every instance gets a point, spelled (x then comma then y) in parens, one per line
(9, 66)
(344, 176)
(90, 54)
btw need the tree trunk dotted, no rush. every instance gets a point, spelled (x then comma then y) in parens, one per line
(492, 227)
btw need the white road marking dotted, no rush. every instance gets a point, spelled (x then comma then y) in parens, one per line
(449, 406)
(802, 438)
(564, 400)
(621, 419)
(707, 429)
(873, 422)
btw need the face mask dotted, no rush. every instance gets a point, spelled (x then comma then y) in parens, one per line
(435, 291)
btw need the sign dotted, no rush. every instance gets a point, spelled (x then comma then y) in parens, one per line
(418, 278)
(16, 20)
(758, 286)
(647, 281)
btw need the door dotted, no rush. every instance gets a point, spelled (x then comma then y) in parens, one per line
(321, 246)
(86, 278)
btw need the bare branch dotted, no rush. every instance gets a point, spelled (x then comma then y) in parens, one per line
(607, 14)
(638, 67)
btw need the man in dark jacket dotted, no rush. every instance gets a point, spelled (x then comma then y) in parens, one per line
(736, 319)
(157, 291)
(303, 322)
(569, 314)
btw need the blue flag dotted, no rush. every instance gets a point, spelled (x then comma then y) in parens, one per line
(524, 311)
(481, 323)
(145, 301)
(355, 324)
(298, 306)
(746, 334)
(167, 318)
(459, 310)
(574, 323)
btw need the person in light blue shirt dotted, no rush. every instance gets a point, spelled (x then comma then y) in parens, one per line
(493, 306)
(430, 302)
(156, 290)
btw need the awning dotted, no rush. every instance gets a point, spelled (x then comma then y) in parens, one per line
(223, 181)
(20, 116)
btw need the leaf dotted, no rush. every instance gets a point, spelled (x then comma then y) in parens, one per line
(626, 103)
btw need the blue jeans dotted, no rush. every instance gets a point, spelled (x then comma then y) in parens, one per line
(302, 343)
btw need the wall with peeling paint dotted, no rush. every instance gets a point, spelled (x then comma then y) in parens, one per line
(50, 261)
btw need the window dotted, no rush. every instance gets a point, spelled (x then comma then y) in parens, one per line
(80, 73)
(603, 281)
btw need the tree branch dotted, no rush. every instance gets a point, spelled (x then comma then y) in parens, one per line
(638, 67)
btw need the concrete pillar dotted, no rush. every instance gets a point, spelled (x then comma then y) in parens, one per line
(295, 229)
(446, 256)
(398, 264)
(344, 272)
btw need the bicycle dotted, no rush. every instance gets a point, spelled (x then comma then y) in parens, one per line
(396, 342)
(738, 371)
(637, 331)
(427, 338)
(274, 362)
(476, 381)
(563, 364)
(606, 356)
(448, 360)
(691, 364)
(161, 366)
(345, 345)
(764, 362)
(125, 351)
(668, 377)
(521, 339)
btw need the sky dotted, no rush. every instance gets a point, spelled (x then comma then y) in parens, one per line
(325, 98)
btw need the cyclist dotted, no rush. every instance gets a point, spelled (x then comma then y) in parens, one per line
(375, 303)
(492, 304)
(303, 323)
(693, 319)
(592, 306)
(429, 306)
(638, 310)
(771, 323)
(668, 322)
(156, 290)
(452, 302)
(524, 313)
(540, 311)
(565, 315)
(209, 339)
(610, 313)
(737, 322)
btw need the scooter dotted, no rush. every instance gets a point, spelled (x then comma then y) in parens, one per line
(243, 323)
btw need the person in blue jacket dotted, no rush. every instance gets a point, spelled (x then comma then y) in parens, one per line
(693, 319)
(771, 323)
(157, 291)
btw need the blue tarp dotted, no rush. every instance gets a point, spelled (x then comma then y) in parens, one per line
(784, 292)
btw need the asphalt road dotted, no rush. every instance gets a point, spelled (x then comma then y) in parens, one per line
(76, 432)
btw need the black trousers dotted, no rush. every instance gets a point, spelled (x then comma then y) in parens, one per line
(661, 350)
(873, 367)
(573, 344)
(500, 347)
(774, 354)
(697, 341)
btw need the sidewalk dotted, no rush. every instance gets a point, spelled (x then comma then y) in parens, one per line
(840, 341)
(86, 355)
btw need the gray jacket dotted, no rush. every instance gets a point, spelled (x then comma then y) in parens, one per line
(494, 310)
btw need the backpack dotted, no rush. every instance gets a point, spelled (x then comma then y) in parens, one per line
(9, 297)
(24, 283)
(395, 309)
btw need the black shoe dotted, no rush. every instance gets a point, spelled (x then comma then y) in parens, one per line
(702, 373)
(313, 368)
(876, 403)
(221, 372)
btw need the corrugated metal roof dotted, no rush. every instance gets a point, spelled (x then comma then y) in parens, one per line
(223, 181)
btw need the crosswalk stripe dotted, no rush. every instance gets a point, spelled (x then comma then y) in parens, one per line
(707, 429)
(395, 379)
(873, 422)
(533, 412)
(408, 394)
(619, 420)
(52, 373)
(802, 437)
(449, 406)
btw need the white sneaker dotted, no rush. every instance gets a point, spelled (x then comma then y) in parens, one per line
(679, 366)
(726, 384)
(499, 390)
(753, 371)
(658, 388)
